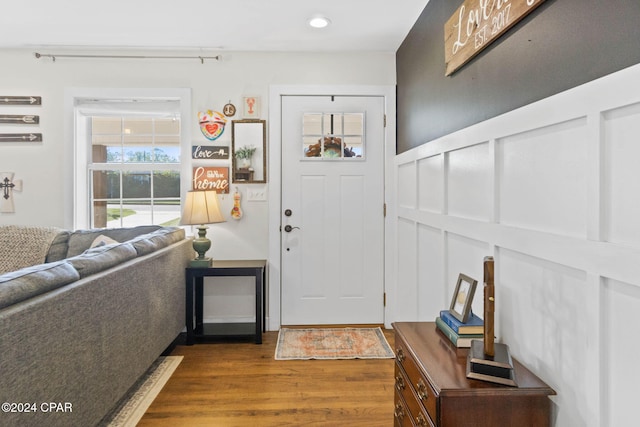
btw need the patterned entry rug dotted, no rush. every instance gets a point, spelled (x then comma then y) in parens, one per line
(133, 406)
(332, 343)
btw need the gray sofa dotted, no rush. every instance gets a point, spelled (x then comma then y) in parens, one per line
(78, 330)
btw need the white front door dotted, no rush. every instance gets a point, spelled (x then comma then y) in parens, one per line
(332, 216)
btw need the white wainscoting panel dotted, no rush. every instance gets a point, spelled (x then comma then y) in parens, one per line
(541, 311)
(549, 166)
(462, 255)
(407, 261)
(469, 173)
(621, 350)
(407, 185)
(552, 191)
(431, 184)
(622, 153)
(432, 295)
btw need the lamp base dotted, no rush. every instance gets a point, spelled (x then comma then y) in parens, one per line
(200, 263)
(201, 245)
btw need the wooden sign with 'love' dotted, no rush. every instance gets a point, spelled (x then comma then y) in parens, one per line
(478, 23)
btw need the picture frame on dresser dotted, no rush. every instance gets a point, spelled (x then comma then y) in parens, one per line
(462, 298)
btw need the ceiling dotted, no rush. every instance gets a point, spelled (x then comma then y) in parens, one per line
(230, 25)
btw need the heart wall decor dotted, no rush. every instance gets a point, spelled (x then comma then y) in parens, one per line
(212, 124)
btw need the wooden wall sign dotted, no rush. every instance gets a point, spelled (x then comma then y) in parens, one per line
(211, 178)
(209, 152)
(20, 100)
(19, 119)
(20, 137)
(478, 23)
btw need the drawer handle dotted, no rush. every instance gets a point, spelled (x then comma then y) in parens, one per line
(422, 390)
(399, 354)
(421, 421)
(399, 412)
(399, 383)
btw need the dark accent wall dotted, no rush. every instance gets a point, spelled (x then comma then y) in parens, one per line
(560, 45)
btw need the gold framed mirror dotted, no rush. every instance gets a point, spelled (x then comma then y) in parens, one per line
(249, 148)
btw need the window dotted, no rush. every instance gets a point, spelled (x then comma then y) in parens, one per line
(134, 171)
(128, 148)
(333, 136)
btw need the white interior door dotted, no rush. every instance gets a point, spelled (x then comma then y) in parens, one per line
(332, 220)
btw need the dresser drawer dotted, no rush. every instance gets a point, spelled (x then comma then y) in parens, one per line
(408, 395)
(423, 390)
(401, 415)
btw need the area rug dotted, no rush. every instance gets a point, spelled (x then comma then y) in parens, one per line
(332, 343)
(133, 406)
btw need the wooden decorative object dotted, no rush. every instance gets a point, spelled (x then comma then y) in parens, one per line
(211, 179)
(495, 369)
(487, 360)
(19, 119)
(20, 100)
(489, 307)
(229, 109)
(209, 152)
(478, 23)
(20, 137)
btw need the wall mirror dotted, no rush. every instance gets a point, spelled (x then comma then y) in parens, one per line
(248, 145)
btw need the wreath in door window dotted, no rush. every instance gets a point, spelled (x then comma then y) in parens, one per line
(332, 148)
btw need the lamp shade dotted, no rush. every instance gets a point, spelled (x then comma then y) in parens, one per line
(201, 207)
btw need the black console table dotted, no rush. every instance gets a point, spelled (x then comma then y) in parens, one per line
(194, 287)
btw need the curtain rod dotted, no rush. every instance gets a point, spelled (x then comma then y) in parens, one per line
(54, 56)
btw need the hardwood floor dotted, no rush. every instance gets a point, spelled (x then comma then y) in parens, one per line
(241, 384)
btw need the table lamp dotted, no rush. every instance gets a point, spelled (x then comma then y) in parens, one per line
(200, 208)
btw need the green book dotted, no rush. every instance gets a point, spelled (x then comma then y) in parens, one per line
(457, 340)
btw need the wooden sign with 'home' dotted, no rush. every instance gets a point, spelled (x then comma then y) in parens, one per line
(476, 24)
(211, 179)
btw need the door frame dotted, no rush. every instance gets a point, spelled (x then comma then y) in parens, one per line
(274, 186)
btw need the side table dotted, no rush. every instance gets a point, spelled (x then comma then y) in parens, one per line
(194, 293)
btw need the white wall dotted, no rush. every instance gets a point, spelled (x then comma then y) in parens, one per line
(46, 198)
(551, 190)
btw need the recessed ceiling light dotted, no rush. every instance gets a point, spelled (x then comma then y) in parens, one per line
(319, 22)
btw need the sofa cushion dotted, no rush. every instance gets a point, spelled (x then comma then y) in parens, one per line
(81, 240)
(59, 246)
(155, 240)
(101, 258)
(25, 283)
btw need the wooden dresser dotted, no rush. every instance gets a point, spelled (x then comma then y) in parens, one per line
(431, 387)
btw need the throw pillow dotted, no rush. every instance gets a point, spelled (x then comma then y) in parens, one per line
(102, 240)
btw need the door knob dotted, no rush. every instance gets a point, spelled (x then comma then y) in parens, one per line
(289, 228)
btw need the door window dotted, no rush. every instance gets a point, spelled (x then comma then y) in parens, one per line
(333, 136)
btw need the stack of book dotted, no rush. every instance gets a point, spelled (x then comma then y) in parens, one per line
(460, 333)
